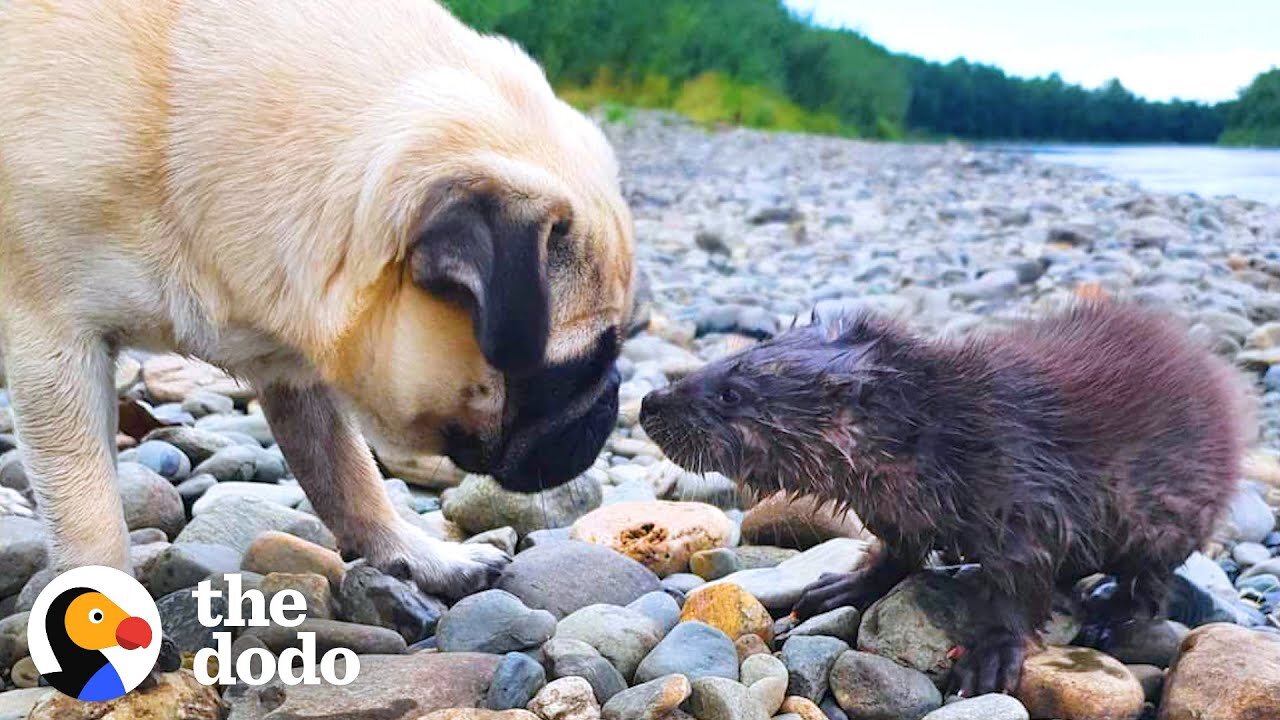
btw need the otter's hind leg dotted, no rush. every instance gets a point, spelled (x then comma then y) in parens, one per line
(1013, 600)
(1116, 601)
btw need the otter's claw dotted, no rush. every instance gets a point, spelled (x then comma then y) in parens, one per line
(832, 591)
(990, 665)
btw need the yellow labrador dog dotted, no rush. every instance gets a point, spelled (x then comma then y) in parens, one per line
(384, 220)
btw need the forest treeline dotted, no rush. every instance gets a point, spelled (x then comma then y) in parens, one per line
(754, 63)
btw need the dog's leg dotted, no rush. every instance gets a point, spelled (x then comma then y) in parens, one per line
(337, 471)
(64, 409)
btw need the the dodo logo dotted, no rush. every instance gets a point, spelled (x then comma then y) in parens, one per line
(94, 633)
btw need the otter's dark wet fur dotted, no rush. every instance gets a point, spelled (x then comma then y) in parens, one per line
(1098, 439)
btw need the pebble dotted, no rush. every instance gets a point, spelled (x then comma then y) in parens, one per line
(183, 564)
(758, 667)
(493, 621)
(170, 378)
(180, 623)
(769, 692)
(1225, 673)
(778, 588)
(237, 521)
(163, 459)
(194, 488)
(842, 623)
(659, 607)
(623, 636)
(22, 551)
(360, 639)
(918, 623)
(983, 707)
(274, 551)
(503, 538)
(801, 708)
(480, 504)
(568, 698)
(870, 686)
(693, 649)
(243, 463)
(198, 445)
(313, 588)
(652, 700)
(367, 595)
(717, 698)
(1151, 678)
(564, 577)
(750, 644)
(175, 695)
(24, 674)
(763, 556)
(588, 664)
(515, 682)
(206, 402)
(808, 660)
(252, 425)
(1249, 518)
(730, 609)
(1072, 682)
(798, 524)
(1147, 643)
(150, 501)
(1250, 553)
(479, 714)
(389, 686)
(660, 535)
(714, 564)
(682, 583)
(285, 495)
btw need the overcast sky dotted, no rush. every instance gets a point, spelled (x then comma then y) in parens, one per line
(1160, 49)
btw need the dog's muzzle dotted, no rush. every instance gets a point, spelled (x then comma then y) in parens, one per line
(563, 415)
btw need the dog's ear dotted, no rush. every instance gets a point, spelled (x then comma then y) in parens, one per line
(473, 252)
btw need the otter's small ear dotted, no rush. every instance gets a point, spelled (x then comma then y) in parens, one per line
(471, 252)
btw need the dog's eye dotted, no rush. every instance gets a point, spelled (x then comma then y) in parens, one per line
(96, 616)
(558, 243)
(730, 396)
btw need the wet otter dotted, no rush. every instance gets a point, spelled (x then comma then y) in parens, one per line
(1099, 439)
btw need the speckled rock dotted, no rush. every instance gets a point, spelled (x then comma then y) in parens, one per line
(660, 535)
(1079, 684)
(177, 696)
(1224, 672)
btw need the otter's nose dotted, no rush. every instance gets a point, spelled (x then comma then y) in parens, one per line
(655, 403)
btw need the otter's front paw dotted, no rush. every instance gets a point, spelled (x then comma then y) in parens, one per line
(992, 664)
(444, 569)
(837, 590)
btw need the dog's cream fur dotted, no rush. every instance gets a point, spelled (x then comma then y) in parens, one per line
(240, 180)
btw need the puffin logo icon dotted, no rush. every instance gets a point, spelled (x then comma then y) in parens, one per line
(94, 633)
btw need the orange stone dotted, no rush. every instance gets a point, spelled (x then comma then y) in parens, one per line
(1076, 683)
(730, 609)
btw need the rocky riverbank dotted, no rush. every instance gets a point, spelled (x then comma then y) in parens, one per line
(641, 591)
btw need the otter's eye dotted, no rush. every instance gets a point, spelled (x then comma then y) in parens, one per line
(96, 616)
(730, 397)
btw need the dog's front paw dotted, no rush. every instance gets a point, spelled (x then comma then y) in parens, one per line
(444, 569)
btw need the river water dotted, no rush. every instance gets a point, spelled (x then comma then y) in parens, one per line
(1205, 170)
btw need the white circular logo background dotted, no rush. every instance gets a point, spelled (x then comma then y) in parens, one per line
(133, 666)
